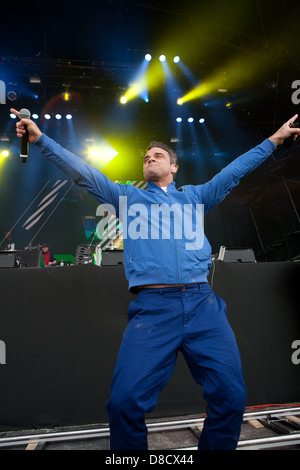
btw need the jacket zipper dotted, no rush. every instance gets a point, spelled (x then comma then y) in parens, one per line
(177, 249)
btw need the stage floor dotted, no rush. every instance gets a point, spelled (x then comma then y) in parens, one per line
(269, 429)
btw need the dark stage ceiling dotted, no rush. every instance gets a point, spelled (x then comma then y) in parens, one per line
(98, 45)
(248, 47)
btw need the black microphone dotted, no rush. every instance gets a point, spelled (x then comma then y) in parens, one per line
(289, 143)
(24, 113)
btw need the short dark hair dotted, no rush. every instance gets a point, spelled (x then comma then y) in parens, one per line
(172, 154)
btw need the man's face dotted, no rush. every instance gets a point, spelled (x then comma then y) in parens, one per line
(45, 249)
(158, 167)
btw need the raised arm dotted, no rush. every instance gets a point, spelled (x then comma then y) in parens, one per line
(84, 175)
(215, 190)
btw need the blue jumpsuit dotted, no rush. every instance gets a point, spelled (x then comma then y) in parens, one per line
(188, 318)
(162, 322)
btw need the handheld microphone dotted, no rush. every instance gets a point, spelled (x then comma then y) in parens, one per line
(24, 113)
(289, 142)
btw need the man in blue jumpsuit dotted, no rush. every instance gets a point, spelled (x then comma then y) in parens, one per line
(167, 260)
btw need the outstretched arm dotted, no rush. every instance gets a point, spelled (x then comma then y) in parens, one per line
(215, 190)
(84, 175)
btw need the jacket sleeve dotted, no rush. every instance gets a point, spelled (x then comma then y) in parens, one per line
(215, 190)
(84, 175)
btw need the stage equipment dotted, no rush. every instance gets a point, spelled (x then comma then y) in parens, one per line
(7, 259)
(28, 258)
(112, 258)
(83, 255)
(236, 255)
(98, 253)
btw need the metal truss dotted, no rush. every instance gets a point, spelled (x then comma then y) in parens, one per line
(288, 439)
(225, 36)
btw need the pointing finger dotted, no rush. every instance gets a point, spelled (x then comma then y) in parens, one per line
(15, 112)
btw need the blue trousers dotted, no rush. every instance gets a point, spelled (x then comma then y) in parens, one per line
(190, 319)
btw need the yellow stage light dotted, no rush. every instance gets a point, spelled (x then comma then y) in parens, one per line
(238, 74)
(137, 88)
(149, 77)
(101, 154)
(66, 96)
(128, 164)
(94, 153)
(4, 153)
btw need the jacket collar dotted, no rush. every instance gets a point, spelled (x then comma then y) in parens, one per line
(155, 187)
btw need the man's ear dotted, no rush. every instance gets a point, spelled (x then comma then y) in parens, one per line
(174, 168)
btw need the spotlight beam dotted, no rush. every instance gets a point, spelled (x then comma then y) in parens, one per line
(139, 85)
(239, 73)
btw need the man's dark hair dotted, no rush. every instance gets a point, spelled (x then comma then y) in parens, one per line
(172, 154)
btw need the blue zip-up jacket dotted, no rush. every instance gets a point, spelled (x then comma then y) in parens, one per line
(155, 253)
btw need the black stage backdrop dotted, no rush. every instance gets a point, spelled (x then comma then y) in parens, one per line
(61, 329)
